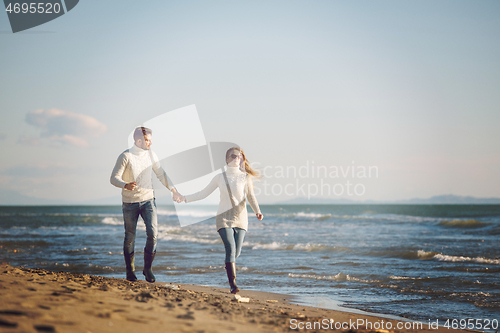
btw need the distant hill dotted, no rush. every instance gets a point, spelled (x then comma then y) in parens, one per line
(451, 199)
(438, 199)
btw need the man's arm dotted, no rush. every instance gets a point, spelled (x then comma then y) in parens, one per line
(117, 173)
(165, 180)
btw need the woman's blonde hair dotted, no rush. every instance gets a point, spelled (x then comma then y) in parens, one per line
(246, 165)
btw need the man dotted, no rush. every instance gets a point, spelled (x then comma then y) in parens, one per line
(133, 173)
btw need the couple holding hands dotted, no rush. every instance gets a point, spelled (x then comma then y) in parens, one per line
(133, 173)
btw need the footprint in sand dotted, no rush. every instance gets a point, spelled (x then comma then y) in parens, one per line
(188, 315)
(6, 323)
(13, 313)
(45, 328)
(144, 297)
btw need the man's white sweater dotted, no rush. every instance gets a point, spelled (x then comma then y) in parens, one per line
(136, 165)
(241, 185)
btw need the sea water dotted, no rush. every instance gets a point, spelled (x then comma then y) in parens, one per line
(416, 261)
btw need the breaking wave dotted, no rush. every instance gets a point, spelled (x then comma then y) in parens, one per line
(469, 224)
(112, 220)
(443, 257)
(340, 277)
(307, 247)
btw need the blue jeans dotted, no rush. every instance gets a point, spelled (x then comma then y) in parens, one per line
(233, 240)
(131, 211)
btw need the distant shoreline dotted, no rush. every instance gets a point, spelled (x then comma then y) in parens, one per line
(447, 199)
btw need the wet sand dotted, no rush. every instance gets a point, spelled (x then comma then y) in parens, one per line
(37, 300)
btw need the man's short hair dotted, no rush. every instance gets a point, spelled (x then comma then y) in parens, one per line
(140, 132)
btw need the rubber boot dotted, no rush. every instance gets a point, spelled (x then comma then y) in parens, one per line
(148, 261)
(231, 276)
(130, 266)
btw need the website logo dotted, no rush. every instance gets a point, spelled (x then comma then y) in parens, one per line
(188, 159)
(25, 15)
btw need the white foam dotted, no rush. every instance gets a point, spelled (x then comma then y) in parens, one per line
(401, 278)
(307, 247)
(338, 277)
(189, 238)
(425, 255)
(401, 218)
(443, 257)
(312, 247)
(311, 216)
(269, 246)
(112, 221)
(471, 294)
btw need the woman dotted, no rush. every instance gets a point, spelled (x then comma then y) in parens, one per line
(232, 217)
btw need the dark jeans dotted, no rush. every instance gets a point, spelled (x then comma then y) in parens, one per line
(233, 240)
(131, 211)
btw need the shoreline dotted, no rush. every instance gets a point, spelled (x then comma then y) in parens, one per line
(299, 300)
(38, 300)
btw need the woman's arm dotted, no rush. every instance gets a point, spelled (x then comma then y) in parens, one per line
(251, 198)
(205, 192)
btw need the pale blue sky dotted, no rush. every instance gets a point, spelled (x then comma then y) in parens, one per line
(409, 87)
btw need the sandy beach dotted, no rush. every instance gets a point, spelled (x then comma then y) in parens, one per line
(37, 300)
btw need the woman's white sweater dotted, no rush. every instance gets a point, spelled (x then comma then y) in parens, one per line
(241, 185)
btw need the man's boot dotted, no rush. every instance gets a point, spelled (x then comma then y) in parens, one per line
(231, 276)
(130, 266)
(148, 262)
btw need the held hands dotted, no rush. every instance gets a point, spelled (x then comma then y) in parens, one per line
(177, 197)
(259, 217)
